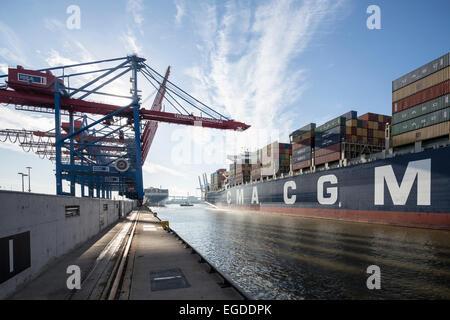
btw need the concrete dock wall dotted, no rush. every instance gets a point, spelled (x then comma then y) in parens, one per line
(35, 229)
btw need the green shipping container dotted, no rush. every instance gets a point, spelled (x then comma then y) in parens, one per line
(339, 121)
(421, 109)
(421, 122)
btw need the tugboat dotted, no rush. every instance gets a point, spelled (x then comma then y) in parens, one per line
(186, 203)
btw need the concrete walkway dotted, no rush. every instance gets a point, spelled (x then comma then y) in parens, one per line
(95, 258)
(154, 255)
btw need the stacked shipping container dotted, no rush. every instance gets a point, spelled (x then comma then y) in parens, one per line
(332, 138)
(274, 158)
(372, 130)
(328, 139)
(232, 173)
(217, 179)
(240, 170)
(256, 165)
(302, 141)
(420, 103)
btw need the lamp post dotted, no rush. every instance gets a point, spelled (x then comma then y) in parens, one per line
(29, 178)
(23, 175)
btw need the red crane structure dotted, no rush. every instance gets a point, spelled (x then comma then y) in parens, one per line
(102, 146)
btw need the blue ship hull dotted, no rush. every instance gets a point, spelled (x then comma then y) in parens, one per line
(408, 190)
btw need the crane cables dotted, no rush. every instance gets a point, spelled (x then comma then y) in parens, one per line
(172, 88)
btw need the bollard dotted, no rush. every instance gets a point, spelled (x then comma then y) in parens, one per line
(165, 224)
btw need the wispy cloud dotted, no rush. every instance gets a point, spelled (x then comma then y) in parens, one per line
(3, 68)
(12, 119)
(11, 47)
(129, 40)
(54, 25)
(70, 51)
(180, 6)
(135, 7)
(73, 51)
(157, 168)
(247, 68)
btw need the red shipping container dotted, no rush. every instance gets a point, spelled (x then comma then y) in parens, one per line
(421, 97)
(369, 117)
(365, 124)
(330, 149)
(327, 158)
(354, 131)
(301, 165)
(364, 117)
(302, 144)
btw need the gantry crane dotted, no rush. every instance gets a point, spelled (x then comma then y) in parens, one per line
(102, 146)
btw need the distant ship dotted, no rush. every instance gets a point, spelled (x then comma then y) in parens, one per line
(186, 204)
(155, 196)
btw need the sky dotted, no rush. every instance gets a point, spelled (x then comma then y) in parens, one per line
(275, 65)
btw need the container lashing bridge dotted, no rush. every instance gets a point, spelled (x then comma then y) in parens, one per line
(100, 146)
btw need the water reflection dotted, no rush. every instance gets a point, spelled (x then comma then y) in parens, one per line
(283, 257)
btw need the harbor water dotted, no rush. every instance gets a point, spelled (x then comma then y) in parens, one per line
(273, 256)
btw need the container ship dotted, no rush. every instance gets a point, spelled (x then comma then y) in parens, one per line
(155, 196)
(371, 168)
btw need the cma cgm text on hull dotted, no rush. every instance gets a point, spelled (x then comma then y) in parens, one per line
(408, 190)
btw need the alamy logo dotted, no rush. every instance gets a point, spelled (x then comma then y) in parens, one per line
(374, 280)
(74, 20)
(420, 169)
(373, 22)
(74, 280)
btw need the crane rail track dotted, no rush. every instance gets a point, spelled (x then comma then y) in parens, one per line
(112, 290)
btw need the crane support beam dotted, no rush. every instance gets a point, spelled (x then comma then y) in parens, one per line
(76, 105)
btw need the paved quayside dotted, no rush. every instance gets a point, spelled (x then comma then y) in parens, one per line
(156, 256)
(135, 259)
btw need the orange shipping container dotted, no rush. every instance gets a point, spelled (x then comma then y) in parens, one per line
(301, 165)
(327, 158)
(425, 83)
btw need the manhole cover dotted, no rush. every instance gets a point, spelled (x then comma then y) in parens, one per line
(168, 279)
